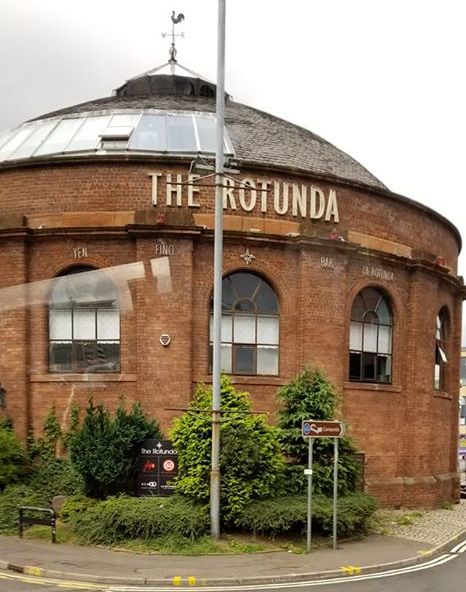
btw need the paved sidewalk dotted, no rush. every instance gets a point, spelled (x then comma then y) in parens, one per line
(412, 543)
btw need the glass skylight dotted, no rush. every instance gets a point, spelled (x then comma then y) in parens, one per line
(111, 132)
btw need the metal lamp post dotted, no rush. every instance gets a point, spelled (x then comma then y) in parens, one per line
(218, 268)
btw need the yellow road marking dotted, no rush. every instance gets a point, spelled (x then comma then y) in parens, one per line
(30, 570)
(350, 570)
(41, 581)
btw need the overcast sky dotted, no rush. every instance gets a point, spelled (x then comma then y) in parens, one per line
(384, 80)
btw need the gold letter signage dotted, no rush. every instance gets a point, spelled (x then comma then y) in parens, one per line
(250, 195)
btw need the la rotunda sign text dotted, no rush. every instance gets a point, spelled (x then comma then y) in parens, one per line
(250, 195)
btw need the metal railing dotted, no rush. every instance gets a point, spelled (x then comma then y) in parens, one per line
(50, 520)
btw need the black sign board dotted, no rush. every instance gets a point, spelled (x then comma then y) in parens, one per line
(158, 466)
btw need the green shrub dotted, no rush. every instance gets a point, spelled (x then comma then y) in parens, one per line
(354, 513)
(251, 464)
(11, 498)
(312, 396)
(127, 518)
(75, 506)
(104, 449)
(6, 423)
(13, 459)
(289, 514)
(56, 476)
(47, 445)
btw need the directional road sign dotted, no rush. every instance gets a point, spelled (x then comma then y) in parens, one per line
(322, 429)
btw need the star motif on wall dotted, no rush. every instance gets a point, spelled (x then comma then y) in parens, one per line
(248, 257)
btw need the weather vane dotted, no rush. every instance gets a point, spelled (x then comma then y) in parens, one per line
(172, 51)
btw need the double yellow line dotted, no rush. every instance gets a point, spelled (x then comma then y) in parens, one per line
(33, 575)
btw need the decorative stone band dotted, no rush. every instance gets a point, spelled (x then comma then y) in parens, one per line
(421, 480)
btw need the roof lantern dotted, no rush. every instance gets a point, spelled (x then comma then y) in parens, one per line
(170, 78)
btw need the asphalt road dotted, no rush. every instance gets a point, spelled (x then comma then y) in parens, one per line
(444, 574)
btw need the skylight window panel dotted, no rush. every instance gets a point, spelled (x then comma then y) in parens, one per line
(88, 135)
(150, 134)
(34, 140)
(57, 141)
(124, 120)
(120, 133)
(227, 145)
(181, 135)
(120, 127)
(206, 132)
(6, 136)
(15, 141)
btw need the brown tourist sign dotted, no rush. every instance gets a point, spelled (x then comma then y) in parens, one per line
(322, 429)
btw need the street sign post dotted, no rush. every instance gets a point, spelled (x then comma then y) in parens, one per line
(322, 429)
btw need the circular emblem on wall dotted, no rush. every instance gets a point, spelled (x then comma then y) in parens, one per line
(168, 465)
(165, 339)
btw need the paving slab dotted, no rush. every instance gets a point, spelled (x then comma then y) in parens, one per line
(421, 537)
(112, 565)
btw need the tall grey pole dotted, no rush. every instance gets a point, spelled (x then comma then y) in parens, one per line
(218, 268)
(335, 490)
(309, 495)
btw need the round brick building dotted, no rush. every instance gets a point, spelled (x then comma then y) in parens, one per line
(106, 252)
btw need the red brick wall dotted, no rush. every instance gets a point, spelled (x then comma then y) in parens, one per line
(123, 186)
(407, 430)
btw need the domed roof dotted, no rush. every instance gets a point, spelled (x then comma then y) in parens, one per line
(171, 113)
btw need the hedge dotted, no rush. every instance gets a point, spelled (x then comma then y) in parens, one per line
(289, 514)
(127, 518)
(11, 498)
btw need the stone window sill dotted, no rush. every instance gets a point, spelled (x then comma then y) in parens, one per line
(371, 386)
(241, 379)
(442, 395)
(94, 377)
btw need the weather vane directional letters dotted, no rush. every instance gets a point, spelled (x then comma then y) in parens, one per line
(172, 51)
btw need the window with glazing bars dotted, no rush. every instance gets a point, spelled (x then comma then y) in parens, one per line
(441, 359)
(370, 355)
(250, 326)
(84, 323)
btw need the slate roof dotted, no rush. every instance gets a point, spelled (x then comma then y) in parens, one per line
(258, 138)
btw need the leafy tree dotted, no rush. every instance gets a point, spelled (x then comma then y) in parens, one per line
(51, 475)
(13, 459)
(251, 464)
(6, 423)
(73, 428)
(312, 396)
(46, 446)
(104, 449)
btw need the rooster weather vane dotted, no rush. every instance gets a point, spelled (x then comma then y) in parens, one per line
(172, 51)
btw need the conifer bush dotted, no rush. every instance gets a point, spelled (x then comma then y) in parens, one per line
(13, 458)
(312, 396)
(251, 464)
(104, 449)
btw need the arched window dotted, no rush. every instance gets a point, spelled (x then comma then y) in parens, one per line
(440, 351)
(250, 325)
(371, 337)
(84, 323)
